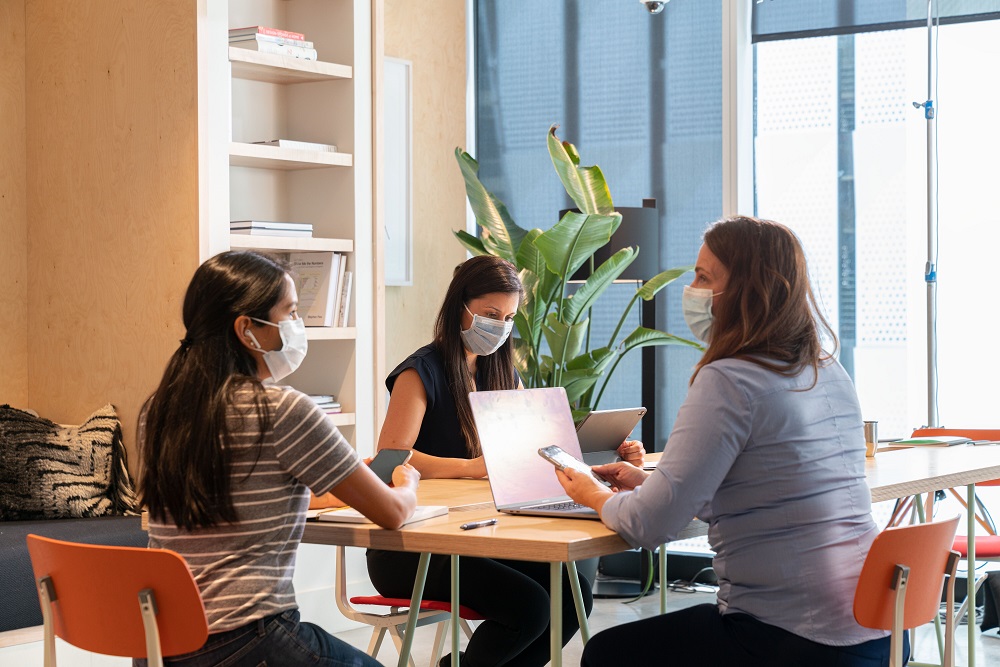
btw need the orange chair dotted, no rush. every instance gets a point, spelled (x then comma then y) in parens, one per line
(121, 601)
(987, 546)
(900, 583)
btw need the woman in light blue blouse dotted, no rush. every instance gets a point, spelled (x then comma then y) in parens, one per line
(768, 449)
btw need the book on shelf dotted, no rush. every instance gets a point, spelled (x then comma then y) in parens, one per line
(338, 298)
(300, 52)
(298, 145)
(351, 515)
(316, 277)
(270, 38)
(268, 224)
(264, 30)
(288, 233)
(345, 299)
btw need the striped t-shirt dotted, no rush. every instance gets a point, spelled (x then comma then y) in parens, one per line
(244, 570)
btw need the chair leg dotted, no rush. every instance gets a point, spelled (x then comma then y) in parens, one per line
(965, 603)
(439, 638)
(397, 639)
(376, 641)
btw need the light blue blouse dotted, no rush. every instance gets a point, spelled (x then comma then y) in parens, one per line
(777, 469)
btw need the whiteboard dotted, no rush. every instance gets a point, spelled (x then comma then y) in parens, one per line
(397, 173)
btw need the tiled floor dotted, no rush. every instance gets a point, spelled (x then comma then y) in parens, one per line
(609, 612)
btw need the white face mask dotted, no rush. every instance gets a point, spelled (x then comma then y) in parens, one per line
(485, 336)
(696, 302)
(294, 346)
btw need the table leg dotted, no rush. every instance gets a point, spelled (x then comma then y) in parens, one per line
(415, 599)
(555, 611)
(456, 631)
(970, 576)
(581, 610)
(663, 579)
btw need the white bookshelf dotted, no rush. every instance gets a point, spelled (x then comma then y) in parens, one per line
(251, 97)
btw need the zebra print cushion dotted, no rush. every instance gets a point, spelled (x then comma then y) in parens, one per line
(48, 471)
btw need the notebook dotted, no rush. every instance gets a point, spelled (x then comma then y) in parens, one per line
(513, 425)
(351, 515)
(602, 431)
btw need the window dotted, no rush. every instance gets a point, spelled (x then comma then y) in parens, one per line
(840, 156)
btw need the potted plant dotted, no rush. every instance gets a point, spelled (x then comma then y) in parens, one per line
(553, 346)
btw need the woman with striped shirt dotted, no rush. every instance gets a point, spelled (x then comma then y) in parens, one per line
(228, 458)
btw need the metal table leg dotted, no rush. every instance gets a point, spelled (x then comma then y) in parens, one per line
(581, 610)
(555, 611)
(415, 599)
(455, 605)
(970, 576)
(663, 578)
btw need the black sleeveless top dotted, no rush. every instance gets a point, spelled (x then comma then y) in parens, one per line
(440, 434)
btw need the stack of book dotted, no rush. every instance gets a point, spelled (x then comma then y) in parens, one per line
(267, 228)
(298, 145)
(323, 284)
(272, 40)
(326, 403)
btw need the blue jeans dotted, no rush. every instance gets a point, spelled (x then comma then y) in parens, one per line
(275, 641)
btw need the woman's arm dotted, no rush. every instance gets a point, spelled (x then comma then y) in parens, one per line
(407, 407)
(388, 506)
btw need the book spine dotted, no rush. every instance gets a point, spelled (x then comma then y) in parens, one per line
(345, 299)
(264, 30)
(271, 38)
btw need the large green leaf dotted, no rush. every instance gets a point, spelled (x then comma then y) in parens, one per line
(572, 240)
(564, 341)
(661, 280)
(472, 243)
(598, 281)
(643, 337)
(576, 383)
(585, 185)
(529, 256)
(596, 360)
(501, 235)
(524, 362)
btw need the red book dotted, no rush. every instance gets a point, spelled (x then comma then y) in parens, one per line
(264, 30)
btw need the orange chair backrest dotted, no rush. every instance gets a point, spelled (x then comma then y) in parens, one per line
(971, 433)
(97, 603)
(924, 548)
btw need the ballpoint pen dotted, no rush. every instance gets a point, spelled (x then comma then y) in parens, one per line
(478, 524)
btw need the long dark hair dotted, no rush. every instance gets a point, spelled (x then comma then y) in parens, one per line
(185, 440)
(767, 313)
(485, 274)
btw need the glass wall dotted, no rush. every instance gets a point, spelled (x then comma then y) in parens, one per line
(840, 156)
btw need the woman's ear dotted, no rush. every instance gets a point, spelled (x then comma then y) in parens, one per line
(242, 326)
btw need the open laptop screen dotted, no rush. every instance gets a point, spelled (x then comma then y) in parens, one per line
(512, 426)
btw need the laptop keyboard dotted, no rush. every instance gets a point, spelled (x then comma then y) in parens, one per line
(564, 506)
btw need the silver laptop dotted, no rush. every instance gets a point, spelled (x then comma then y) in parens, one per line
(512, 426)
(602, 431)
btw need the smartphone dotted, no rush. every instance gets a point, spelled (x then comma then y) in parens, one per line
(561, 459)
(386, 461)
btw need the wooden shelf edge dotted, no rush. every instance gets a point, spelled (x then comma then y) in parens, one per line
(274, 68)
(290, 243)
(331, 333)
(343, 419)
(272, 157)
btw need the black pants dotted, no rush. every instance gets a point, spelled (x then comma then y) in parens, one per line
(701, 636)
(512, 595)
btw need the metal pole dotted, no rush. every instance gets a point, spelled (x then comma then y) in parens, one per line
(930, 269)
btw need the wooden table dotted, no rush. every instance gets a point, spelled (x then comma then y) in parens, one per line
(890, 474)
(540, 539)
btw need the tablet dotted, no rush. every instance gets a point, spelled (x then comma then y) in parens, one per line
(602, 431)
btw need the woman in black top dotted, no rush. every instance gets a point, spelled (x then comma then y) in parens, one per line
(429, 412)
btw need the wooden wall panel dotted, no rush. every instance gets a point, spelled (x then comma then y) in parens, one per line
(112, 198)
(431, 34)
(13, 218)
